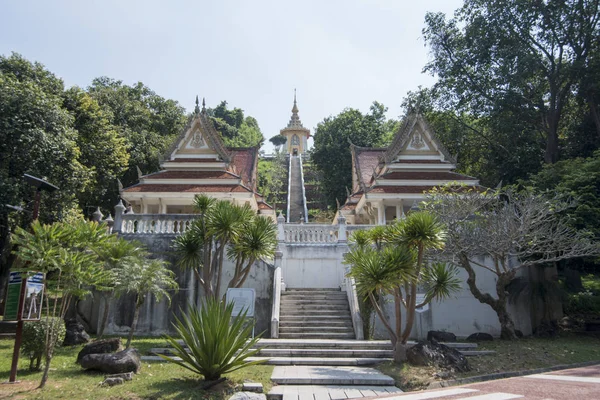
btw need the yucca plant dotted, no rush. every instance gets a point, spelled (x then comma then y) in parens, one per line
(214, 343)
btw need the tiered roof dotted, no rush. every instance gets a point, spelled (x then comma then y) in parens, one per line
(414, 163)
(199, 162)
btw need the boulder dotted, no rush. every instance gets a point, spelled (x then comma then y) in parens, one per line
(438, 355)
(100, 347)
(441, 336)
(480, 337)
(113, 363)
(75, 334)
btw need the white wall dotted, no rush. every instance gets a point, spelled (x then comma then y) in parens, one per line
(313, 265)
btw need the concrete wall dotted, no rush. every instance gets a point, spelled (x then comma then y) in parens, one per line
(463, 314)
(156, 318)
(313, 265)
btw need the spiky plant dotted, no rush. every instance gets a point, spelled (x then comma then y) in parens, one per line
(213, 342)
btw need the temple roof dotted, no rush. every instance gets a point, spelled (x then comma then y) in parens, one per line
(295, 124)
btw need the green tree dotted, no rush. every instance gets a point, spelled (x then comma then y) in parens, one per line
(37, 138)
(514, 59)
(278, 140)
(513, 230)
(65, 253)
(148, 122)
(148, 277)
(236, 129)
(272, 179)
(103, 151)
(223, 229)
(392, 261)
(331, 152)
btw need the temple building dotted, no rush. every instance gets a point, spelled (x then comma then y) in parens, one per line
(198, 163)
(295, 133)
(388, 182)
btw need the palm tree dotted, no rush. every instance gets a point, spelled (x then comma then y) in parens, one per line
(224, 230)
(149, 277)
(117, 254)
(394, 265)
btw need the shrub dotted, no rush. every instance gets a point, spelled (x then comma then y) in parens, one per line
(34, 339)
(214, 343)
(582, 303)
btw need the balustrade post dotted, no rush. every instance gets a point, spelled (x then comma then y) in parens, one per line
(280, 228)
(118, 222)
(342, 236)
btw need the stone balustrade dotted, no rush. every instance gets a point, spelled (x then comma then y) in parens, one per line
(156, 224)
(310, 233)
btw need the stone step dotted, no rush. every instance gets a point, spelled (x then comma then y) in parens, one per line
(287, 300)
(319, 392)
(300, 329)
(321, 375)
(328, 361)
(346, 344)
(340, 322)
(315, 318)
(315, 295)
(317, 335)
(315, 311)
(291, 310)
(325, 353)
(310, 290)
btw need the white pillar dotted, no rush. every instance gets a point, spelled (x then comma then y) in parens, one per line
(162, 207)
(380, 214)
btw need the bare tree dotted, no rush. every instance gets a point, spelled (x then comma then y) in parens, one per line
(515, 230)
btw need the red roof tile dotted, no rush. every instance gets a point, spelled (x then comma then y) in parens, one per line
(413, 189)
(191, 175)
(186, 188)
(243, 161)
(433, 175)
(366, 162)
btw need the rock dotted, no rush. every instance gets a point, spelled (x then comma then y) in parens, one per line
(112, 381)
(480, 337)
(100, 347)
(248, 396)
(75, 334)
(113, 363)
(441, 336)
(438, 355)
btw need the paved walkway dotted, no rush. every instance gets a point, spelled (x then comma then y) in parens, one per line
(579, 383)
(304, 382)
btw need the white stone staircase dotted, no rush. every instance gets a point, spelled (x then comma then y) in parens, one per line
(315, 314)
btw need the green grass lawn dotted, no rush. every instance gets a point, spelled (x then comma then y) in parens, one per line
(517, 355)
(156, 380)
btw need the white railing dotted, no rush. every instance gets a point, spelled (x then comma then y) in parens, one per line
(276, 303)
(303, 190)
(311, 233)
(289, 187)
(357, 322)
(146, 224)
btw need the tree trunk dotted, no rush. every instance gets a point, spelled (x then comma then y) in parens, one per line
(399, 352)
(104, 316)
(551, 155)
(136, 315)
(507, 326)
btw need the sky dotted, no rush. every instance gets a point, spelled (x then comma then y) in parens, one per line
(252, 53)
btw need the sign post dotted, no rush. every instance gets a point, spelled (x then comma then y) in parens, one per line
(23, 303)
(243, 300)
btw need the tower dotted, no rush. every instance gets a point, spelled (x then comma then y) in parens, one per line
(296, 134)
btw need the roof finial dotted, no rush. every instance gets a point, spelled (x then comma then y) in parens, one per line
(295, 108)
(197, 109)
(203, 105)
